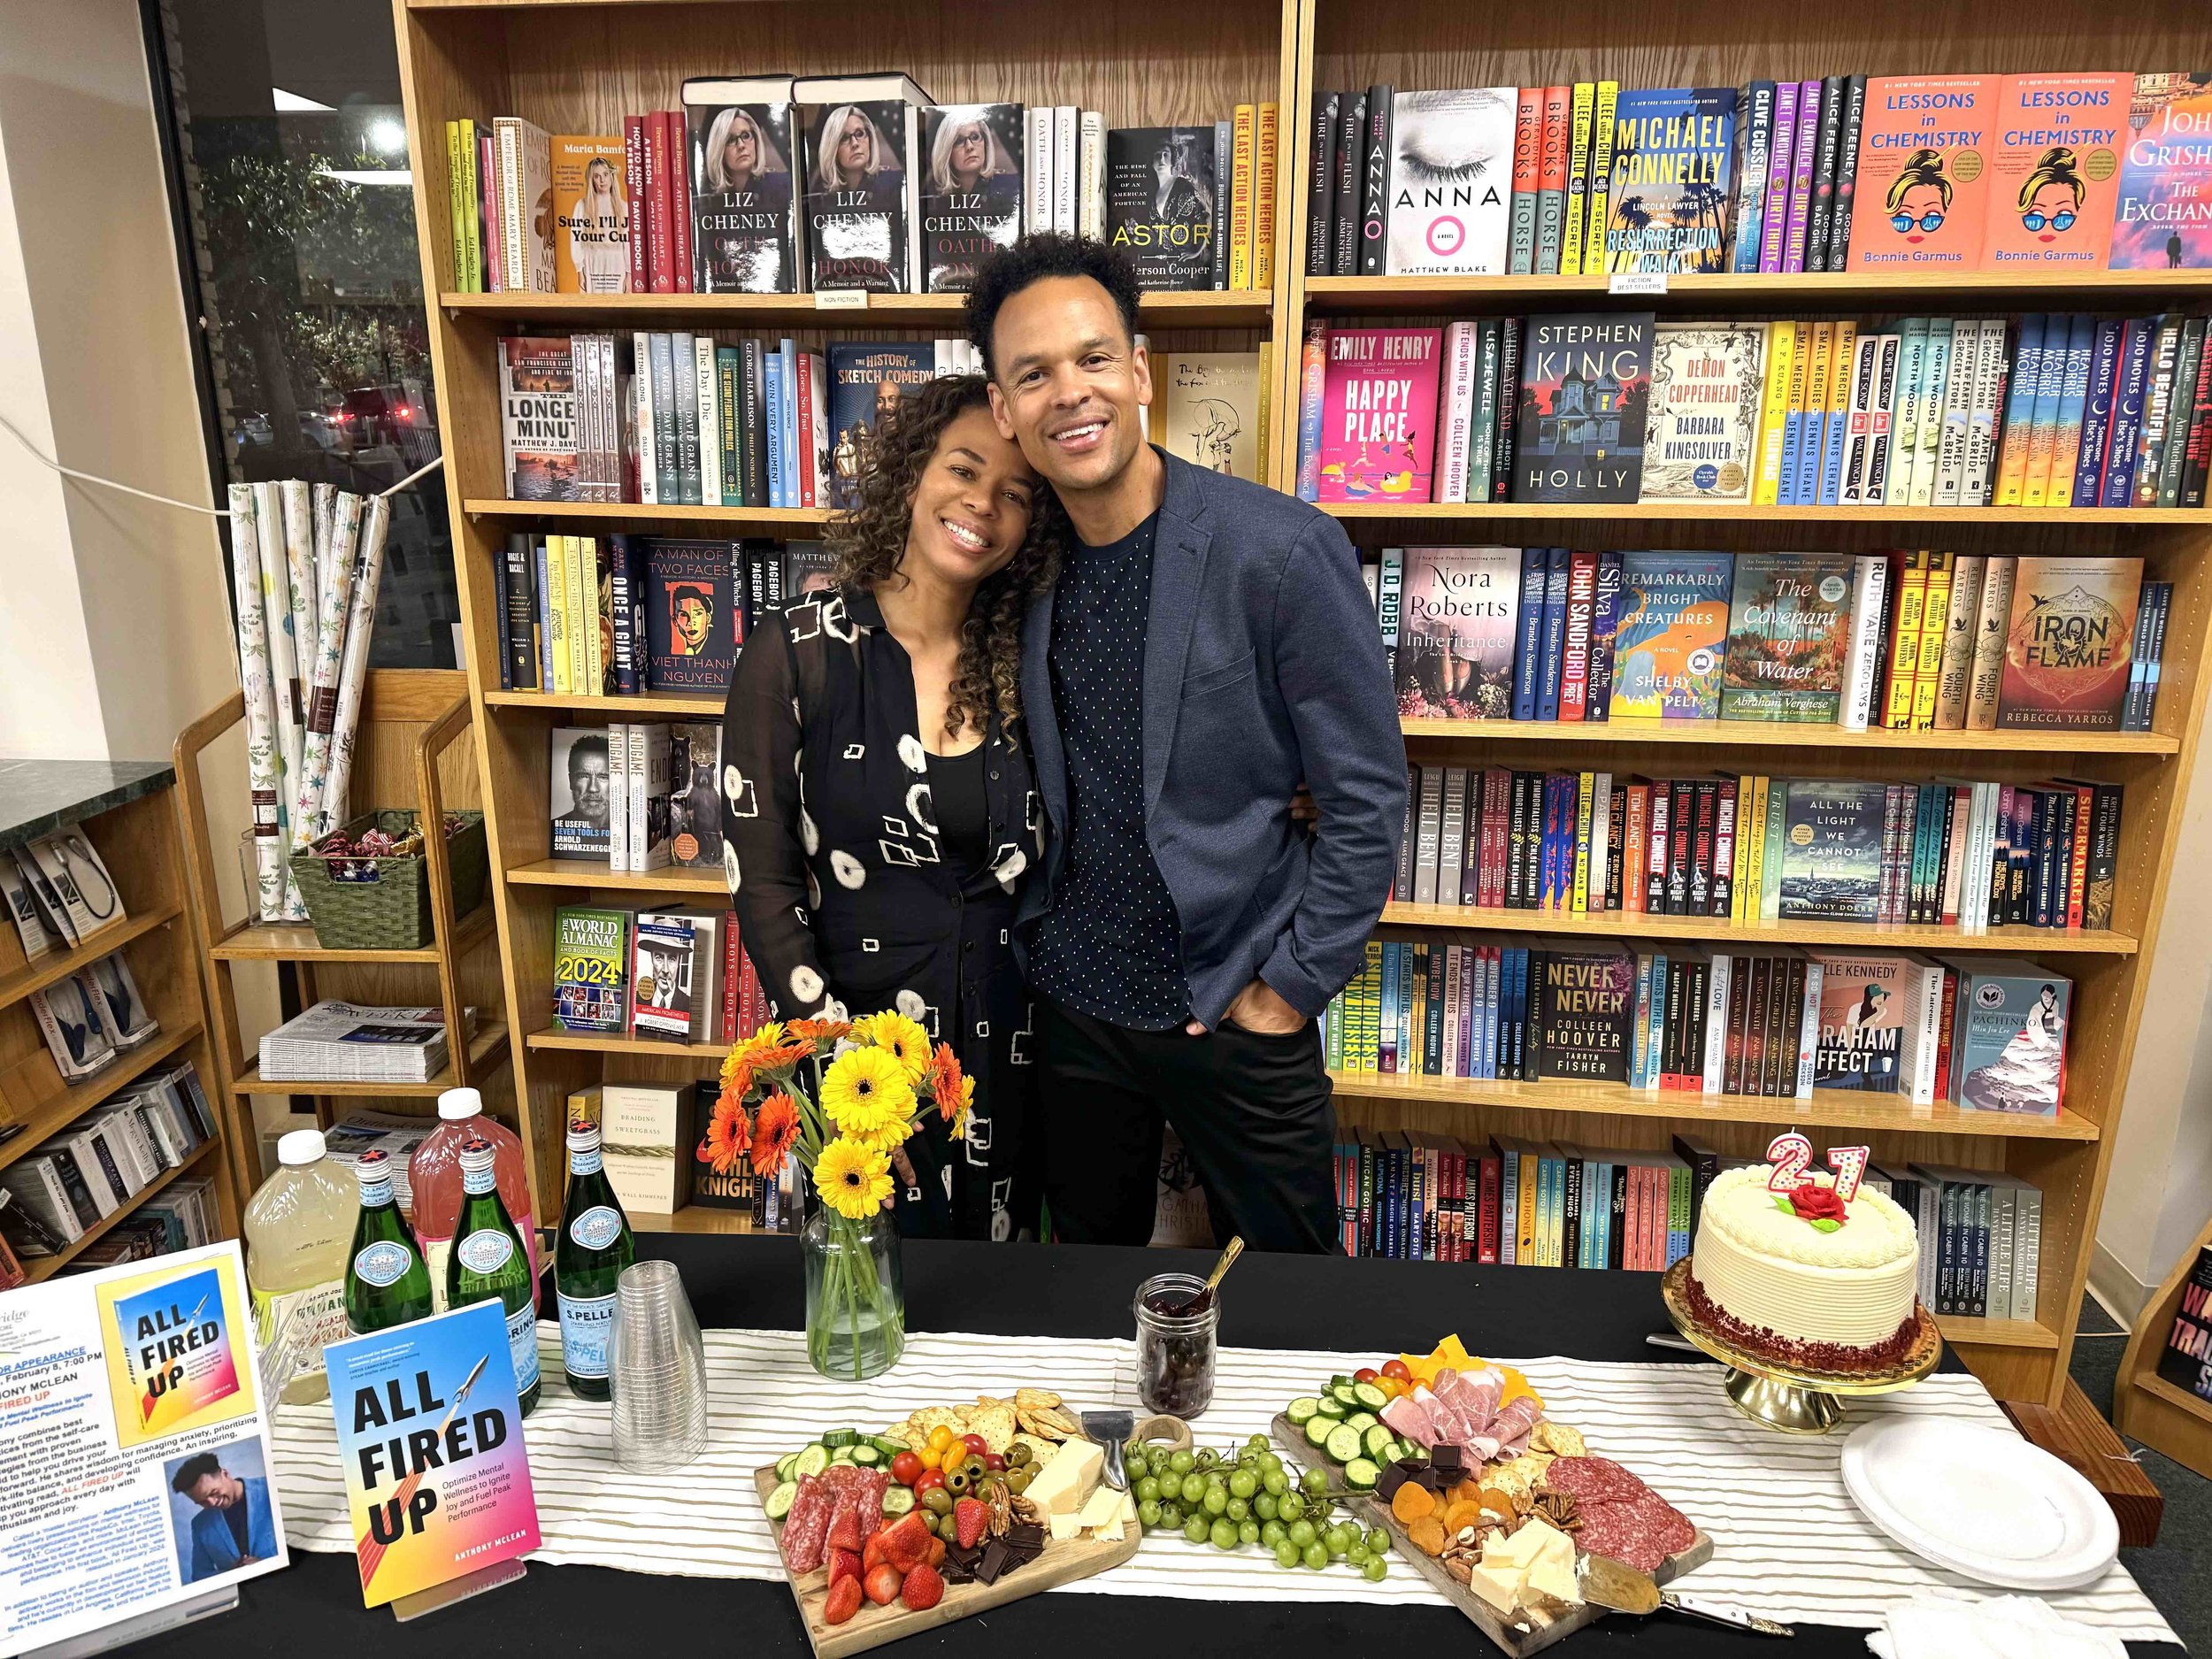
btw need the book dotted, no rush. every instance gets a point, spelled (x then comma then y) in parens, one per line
(1789, 633)
(858, 139)
(1378, 422)
(2053, 171)
(591, 968)
(745, 200)
(1846, 178)
(1832, 850)
(1458, 613)
(1575, 232)
(537, 418)
(1450, 180)
(1583, 392)
(1528, 142)
(971, 172)
(1208, 405)
(693, 620)
(1668, 649)
(1920, 178)
(591, 216)
(580, 775)
(1374, 184)
(1321, 185)
(675, 958)
(1755, 138)
(1582, 1006)
(694, 797)
(2068, 642)
(1162, 185)
(1701, 423)
(1864, 1004)
(866, 379)
(524, 224)
(1671, 180)
(1553, 160)
(2163, 221)
(2009, 1037)
(1351, 153)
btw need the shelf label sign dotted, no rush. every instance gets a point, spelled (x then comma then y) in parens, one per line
(1637, 283)
(841, 300)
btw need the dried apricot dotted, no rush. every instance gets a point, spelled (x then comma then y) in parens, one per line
(1498, 1501)
(1462, 1514)
(1467, 1491)
(1427, 1534)
(1411, 1503)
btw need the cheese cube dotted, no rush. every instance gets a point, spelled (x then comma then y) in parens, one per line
(1496, 1583)
(1064, 1527)
(1102, 1506)
(1555, 1577)
(1522, 1548)
(1111, 1532)
(1065, 1482)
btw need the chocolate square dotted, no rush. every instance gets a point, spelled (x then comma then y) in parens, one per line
(994, 1562)
(1025, 1535)
(1447, 1456)
(1392, 1479)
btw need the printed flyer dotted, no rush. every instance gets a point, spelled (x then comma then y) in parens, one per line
(134, 1446)
(430, 1431)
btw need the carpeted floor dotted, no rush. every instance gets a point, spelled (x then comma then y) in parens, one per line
(2176, 1573)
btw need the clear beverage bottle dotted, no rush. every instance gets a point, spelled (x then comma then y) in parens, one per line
(434, 1175)
(297, 1225)
(387, 1283)
(488, 1263)
(593, 1247)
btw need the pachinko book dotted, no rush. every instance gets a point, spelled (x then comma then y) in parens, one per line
(1379, 415)
(1921, 178)
(2164, 221)
(2054, 171)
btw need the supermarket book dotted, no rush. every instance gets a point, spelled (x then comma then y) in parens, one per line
(1862, 1010)
(1831, 851)
(971, 172)
(591, 216)
(1672, 180)
(1584, 386)
(2164, 221)
(1921, 180)
(1701, 418)
(1378, 414)
(1456, 619)
(1208, 405)
(2069, 643)
(1451, 181)
(2053, 171)
(1789, 633)
(1674, 625)
(744, 200)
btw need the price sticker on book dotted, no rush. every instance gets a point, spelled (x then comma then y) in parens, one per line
(1637, 283)
(841, 300)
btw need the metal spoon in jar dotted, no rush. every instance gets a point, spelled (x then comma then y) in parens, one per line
(1198, 1301)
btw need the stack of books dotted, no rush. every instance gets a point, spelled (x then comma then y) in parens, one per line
(345, 1042)
(94, 1168)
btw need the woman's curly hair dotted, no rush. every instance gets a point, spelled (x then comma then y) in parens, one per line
(870, 540)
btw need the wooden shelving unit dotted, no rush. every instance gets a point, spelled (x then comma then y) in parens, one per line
(1151, 61)
(2162, 1415)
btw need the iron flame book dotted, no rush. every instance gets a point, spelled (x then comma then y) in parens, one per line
(1673, 150)
(1456, 633)
(1585, 378)
(2069, 644)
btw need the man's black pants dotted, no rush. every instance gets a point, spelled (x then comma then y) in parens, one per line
(1253, 1111)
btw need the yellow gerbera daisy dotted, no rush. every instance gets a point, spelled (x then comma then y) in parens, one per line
(865, 1092)
(852, 1178)
(899, 1037)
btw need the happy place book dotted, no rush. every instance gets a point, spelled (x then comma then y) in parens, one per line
(1831, 851)
(2070, 643)
(745, 185)
(1921, 178)
(1702, 414)
(2053, 171)
(1450, 182)
(1788, 634)
(2164, 221)
(1583, 391)
(1673, 156)
(1457, 611)
(1379, 415)
(971, 172)
(1668, 649)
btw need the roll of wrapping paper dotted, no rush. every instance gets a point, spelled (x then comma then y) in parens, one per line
(262, 774)
(368, 571)
(284, 677)
(299, 557)
(326, 497)
(333, 587)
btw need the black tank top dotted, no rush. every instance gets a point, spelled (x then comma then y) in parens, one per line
(956, 789)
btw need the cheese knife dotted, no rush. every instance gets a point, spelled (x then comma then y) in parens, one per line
(1612, 1584)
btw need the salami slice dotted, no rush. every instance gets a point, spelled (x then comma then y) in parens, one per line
(808, 1525)
(1619, 1531)
(1670, 1530)
(1593, 1479)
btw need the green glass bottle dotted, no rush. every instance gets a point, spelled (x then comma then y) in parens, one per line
(595, 1246)
(387, 1282)
(488, 1264)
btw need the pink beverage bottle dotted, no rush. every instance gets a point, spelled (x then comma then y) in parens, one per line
(434, 1175)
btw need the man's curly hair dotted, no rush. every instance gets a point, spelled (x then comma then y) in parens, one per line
(1032, 260)
(870, 540)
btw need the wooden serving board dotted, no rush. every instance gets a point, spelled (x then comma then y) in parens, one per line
(1525, 1632)
(1063, 1562)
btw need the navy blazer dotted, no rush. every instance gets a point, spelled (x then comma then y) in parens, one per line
(1263, 668)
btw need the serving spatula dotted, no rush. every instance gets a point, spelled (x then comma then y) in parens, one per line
(1617, 1585)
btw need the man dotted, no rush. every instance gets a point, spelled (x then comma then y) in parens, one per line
(1209, 645)
(691, 619)
(234, 1527)
(587, 789)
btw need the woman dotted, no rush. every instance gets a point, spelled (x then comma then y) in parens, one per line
(878, 812)
(2051, 195)
(599, 232)
(851, 151)
(738, 153)
(965, 154)
(1919, 196)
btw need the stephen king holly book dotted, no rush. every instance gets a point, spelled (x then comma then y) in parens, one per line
(1673, 153)
(1674, 625)
(2164, 221)
(537, 418)
(971, 174)
(2053, 171)
(1378, 414)
(1451, 181)
(1456, 617)
(2070, 643)
(1162, 204)
(1583, 386)
(1788, 634)
(1921, 178)
(744, 194)
(1702, 412)
(859, 136)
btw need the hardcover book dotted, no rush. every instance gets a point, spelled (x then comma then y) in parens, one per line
(2164, 218)
(1702, 420)
(1209, 409)
(692, 628)
(2069, 643)
(1583, 391)
(1162, 204)
(695, 799)
(1457, 629)
(1378, 414)
(867, 378)
(2053, 171)
(1585, 1003)
(1450, 182)
(591, 969)
(1831, 851)
(1672, 181)
(2010, 1037)
(673, 975)
(1788, 638)
(1921, 180)
(1668, 649)
(744, 203)
(971, 189)
(537, 418)
(591, 216)
(1862, 1012)
(581, 786)
(857, 150)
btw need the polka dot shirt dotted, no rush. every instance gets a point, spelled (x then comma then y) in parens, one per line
(1111, 947)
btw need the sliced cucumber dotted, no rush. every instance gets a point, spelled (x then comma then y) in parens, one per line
(784, 1464)
(865, 1455)
(1361, 1420)
(813, 1461)
(836, 1437)
(1373, 1398)
(1343, 1395)
(897, 1500)
(888, 1445)
(1339, 1381)
(1320, 1428)
(778, 1504)
(1331, 1408)
(1342, 1444)
(1302, 1410)
(1361, 1475)
(1407, 1448)
(840, 1455)
(1382, 1445)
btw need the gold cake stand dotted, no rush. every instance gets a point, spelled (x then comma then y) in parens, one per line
(1795, 1401)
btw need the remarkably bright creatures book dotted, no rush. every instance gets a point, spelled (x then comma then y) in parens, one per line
(2164, 221)
(1788, 634)
(430, 1437)
(1583, 391)
(2070, 643)
(1673, 156)
(1862, 1010)
(1209, 409)
(1162, 207)
(1831, 851)
(2010, 1030)
(746, 189)
(1921, 180)
(1378, 414)
(1456, 618)
(1701, 419)
(591, 216)
(1451, 181)
(2053, 171)
(1674, 626)
(867, 378)
(971, 174)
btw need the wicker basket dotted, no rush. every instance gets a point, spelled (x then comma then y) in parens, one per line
(384, 904)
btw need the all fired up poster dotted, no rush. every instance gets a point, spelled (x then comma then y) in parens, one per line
(430, 1431)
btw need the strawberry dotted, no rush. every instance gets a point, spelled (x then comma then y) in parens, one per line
(925, 1587)
(970, 1516)
(883, 1584)
(907, 1541)
(872, 1551)
(843, 1564)
(844, 1532)
(843, 1602)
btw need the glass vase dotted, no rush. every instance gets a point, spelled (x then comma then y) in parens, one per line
(856, 1294)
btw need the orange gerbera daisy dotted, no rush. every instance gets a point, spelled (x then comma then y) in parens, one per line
(820, 1031)
(727, 1139)
(953, 1092)
(775, 1126)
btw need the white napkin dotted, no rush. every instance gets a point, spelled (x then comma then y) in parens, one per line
(1940, 1626)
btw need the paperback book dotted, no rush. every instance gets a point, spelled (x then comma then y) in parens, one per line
(1788, 638)
(1450, 182)
(537, 418)
(591, 960)
(1862, 1012)
(1702, 425)
(1585, 1003)
(1456, 619)
(1672, 181)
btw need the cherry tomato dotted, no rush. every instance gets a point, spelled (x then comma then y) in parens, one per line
(1391, 1386)
(929, 1458)
(1396, 1368)
(993, 1461)
(927, 1478)
(1365, 1373)
(905, 1467)
(941, 1437)
(975, 1443)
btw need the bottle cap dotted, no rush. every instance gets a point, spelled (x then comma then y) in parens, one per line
(583, 1137)
(477, 1157)
(372, 1168)
(300, 1147)
(458, 1104)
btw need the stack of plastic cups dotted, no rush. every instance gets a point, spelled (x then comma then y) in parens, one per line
(659, 1373)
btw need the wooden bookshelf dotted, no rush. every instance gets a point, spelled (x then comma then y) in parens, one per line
(2163, 1415)
(1149, 61)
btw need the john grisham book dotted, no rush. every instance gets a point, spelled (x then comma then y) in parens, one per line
(1583, 381)
(744, 207)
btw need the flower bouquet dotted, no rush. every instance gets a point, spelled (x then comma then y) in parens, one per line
(840, 1097)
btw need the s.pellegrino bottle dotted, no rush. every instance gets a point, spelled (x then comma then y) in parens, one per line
(595, 1247)
(387, 1283)
(488, 1264)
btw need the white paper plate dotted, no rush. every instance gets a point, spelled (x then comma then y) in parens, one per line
(1983, 1502)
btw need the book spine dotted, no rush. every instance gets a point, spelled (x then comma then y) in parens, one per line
(1755, 119)
(1574, 673)
(2043, 416)
(1933, 384)
(2180, 413)
(1243, 135)
(1351, 152)
(1846, 173)
(1528, 142)
(2158, 398)
(1312, 391)
(1774, 413)
(1459, 411)
(1584, 110)
(1805, 148)
(1555, 161)
(1063, 187)
(1993, 368)
(1794, 413)
(1374, 226)
(1935, 611)
(1602, 124)
(1482, 424)
(2198, 468)
(1774, 233)
(1508, 402)
(2073, 413)
(1266, 174)
(1820, 221)
(1956, 418)
(1557, 569)
(1321, 135)
(1881, 421)
(2127, 416)
(659, 200)
(1528, 625)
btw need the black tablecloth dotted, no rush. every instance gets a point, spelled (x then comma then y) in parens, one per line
(313, 1611)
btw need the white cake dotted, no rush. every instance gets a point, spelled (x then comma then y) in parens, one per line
(1775, 1283)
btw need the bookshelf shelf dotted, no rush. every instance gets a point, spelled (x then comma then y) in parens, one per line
(2147, 1407)
(1800, 296)
(652, 705)
(52, 1112)
(1629, 513)
(46, 1266)
(1718, 931)
(484, 1048)
(1996, 1332)
(1756, 734)
(57, 966)
(1231, 310)
(281, 941)
(590, 872)
(800, 519)
(584, 1042)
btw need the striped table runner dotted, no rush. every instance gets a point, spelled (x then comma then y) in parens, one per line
(1788, 1540)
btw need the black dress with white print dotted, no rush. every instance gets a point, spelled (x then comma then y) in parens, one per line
(848, 902)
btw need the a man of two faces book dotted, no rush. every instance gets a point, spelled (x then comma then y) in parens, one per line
(1584, 382)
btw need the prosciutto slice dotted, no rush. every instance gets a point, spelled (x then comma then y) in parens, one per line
(1443, 1418)
(1516, 1418)
(1407, 1416)
(1472, 1405)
